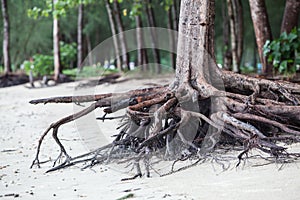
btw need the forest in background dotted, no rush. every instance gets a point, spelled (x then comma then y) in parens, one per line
(29, 36)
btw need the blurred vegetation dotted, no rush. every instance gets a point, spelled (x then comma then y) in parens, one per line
(32, 38)
(284, 52)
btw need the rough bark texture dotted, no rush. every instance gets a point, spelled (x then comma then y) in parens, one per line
(113, 31)
(204, 109)
(79, 36)
(290, 16)
(262, 31)
(6, 46)
(123, 42)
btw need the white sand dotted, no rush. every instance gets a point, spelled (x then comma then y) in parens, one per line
(22, 124)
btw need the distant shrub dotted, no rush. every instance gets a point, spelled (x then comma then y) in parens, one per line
(284, 52)
(44, 64)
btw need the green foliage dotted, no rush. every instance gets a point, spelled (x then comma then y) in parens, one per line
(44, 64)
(284, 52)
(41, 65)
(58, 9)
(89, 71)
(67, 53)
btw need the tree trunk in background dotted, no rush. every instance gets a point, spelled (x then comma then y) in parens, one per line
(227, 55)
(235, 13)
(141, 52)
(113, 32)
(240, 31)
(123, 42)
(174, 11)
(171, 39)
(231, 7)
(56, 48)
(262, 31)
(291, 15)
(79, 36)
(89, 49)
(152, 23)
(6, 42)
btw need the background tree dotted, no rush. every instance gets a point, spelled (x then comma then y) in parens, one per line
(56, 41)
(123, 42)
(6, 38)
(290, 16)
(262, 31)
(152, 23)
(79, 35)
(113, 31)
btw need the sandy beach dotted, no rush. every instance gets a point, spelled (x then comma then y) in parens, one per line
(22, 124)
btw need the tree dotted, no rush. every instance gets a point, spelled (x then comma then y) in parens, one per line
(152, 23)
(123, 42)
(113, 31)
(204, 108)
(56, 47)
(262, 31)
(290, 16)
(235, 12)
(79, 35)
(6, 42)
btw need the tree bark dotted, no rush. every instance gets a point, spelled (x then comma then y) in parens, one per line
(174, 10)
(79, 36)
(235, 13)
(141, 52)
(114, 35)
(123, 42)
(227, 55)
(6, 38)
(171, 18)
(290, 16)
(152, 23)
(262, 31)
(194, 112)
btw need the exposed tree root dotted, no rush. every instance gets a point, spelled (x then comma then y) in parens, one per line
(182, 123)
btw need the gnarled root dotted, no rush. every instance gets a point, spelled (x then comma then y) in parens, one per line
(182, 123)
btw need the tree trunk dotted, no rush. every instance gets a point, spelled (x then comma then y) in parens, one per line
(290, 16)
(227, 55)
(152, 23)
(174, 10)
(6, 36)
(123, 42)
(262, 31)
(56, 48)
(79, 36)
(233, 34)
(114, 35)
(240, 31)
(235, 13)
(141, 51)
(203, 109)
(171, 38)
